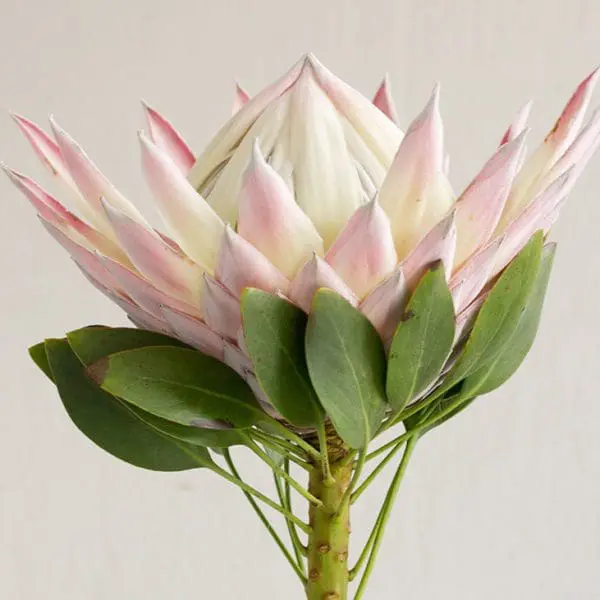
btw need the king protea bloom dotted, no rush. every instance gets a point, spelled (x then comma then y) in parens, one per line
(308, 185)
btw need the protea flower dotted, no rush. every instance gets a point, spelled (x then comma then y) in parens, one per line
(308, 186)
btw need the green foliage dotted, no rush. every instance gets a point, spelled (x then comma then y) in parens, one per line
(177, 384)
(499, 315)
(110, 424)
(346, 362)
(423, 340)
(274, 334)
(509, 359)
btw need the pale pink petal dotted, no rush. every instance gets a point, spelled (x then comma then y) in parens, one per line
(221, 309)
(380, 134)
(568, 124)
(194, 332)
(91, 182)
(144, 293)
(479, 207)
(472, 276)
(88, 259)
(539, 214)
(384, 101)
(171, 272)
(166, 137)
(47, 150)
(415, 193)
(438, 245)
(466, 319)
(385, 305)
(51, 210)
(241, 265)
(194, 224)
(532, 179)
(580, 151)
(364, 253)
(518, 125)
(316, 274)
(271, 220)
(219, 150)
(240, 99)
(237, 360)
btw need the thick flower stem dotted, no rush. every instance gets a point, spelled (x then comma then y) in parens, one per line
(328, 542)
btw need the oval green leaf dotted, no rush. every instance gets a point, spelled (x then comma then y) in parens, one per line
(38, 355)
(495, 373)
(499, 315)
(274, 332)
(346, 362)
(423, 340)
(179, 385)
(111, 424)
(95, 342)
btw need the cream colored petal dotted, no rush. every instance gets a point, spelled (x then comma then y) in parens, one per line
(192, 222)
(271, 221)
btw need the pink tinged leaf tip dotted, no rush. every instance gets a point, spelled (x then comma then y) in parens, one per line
(240, 98)
(241, 265)
(163, 266)
(364, 253)
(166, 137)
(473, 275)
(189, 218)
(316, 274)
(384, 306)
(47, 150)
(518, 125)
(52, 211)
(271, 220)
(94, 186)
(194, 332)
(568, 124)
(480, 206)
(539, 214)
(415, 193)
(438, 245)
(384, 101)
(221, 309)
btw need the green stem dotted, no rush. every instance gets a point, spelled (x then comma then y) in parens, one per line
(391, 444)
(290, 526)
(283, 446)
(324, 453)
(365, 551)
(296, 439)
(368, 480)
(266, 458)
(385, 515)
(358, 469)
(289, 506)
(328, 543)
(260, 496)
(296, 567)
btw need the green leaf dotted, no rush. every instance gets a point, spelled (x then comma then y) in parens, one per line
(39, 357)
(346, 362)
(110, 424)
(95, 342)
(423, 340)
(180, 385)
(274, 332)
(496, 372)
(499, 315)
(199, 436)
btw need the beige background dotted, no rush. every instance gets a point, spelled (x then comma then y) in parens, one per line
(502, 503)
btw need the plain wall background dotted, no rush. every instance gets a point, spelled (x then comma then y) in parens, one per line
(503, 502)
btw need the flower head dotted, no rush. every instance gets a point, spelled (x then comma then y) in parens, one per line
(308, 185)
